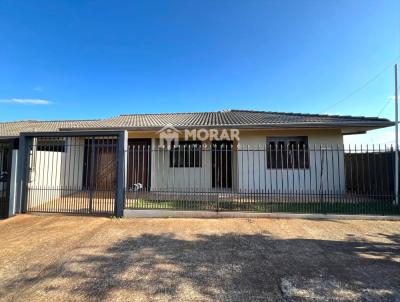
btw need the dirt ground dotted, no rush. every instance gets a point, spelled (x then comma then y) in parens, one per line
(70, 258)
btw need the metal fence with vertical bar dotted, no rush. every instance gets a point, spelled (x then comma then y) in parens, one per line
(5, 172)
(276, 177)
(68, 174)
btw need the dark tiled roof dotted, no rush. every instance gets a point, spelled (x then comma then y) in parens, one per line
(240, 118)
(11, 129)
(228, 118)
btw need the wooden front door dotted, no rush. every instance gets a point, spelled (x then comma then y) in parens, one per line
(222, 164)
(139, 164)
(100, 164)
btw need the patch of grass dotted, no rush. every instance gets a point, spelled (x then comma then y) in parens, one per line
(378, 207)
(171, 205)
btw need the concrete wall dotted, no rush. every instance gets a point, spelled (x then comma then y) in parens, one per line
(325, 172)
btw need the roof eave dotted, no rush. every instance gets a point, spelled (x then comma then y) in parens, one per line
(9, 137)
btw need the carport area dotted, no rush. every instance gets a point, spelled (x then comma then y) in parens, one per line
(78, 258)
(74, 172)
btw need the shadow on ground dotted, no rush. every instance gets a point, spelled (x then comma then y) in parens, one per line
(227, 267)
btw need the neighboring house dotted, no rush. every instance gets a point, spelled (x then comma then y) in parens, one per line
(276, 152)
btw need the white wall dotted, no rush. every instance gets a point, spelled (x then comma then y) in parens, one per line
(249, 168)
(13, 183)
(253, 173)
(164, 177)
(55, 174)
(72, 166)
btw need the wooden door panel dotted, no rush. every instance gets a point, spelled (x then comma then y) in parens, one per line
(100, 165)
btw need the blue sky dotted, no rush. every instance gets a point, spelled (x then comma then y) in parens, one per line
(95, 59)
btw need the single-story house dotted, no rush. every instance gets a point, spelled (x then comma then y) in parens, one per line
(224, 152)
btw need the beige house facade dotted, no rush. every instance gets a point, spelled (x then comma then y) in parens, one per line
(272, 152)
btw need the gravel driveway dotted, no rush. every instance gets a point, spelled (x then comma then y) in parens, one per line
(66, 258)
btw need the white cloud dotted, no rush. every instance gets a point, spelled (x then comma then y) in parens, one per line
(26, 101)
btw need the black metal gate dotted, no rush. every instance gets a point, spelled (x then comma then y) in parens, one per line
(5, 171)
(68, 174)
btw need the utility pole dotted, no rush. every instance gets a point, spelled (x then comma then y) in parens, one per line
(396, 168)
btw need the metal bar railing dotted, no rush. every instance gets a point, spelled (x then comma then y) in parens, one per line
(72, 175)
(78, 175)
(276, 177)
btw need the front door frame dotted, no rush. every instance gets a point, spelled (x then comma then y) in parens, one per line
(222, 151)
(146, 142)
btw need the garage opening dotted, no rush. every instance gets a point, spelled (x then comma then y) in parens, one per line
(68, 174)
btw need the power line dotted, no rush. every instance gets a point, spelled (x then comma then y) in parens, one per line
(390, 99)
(384, 106)
(362, 86)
